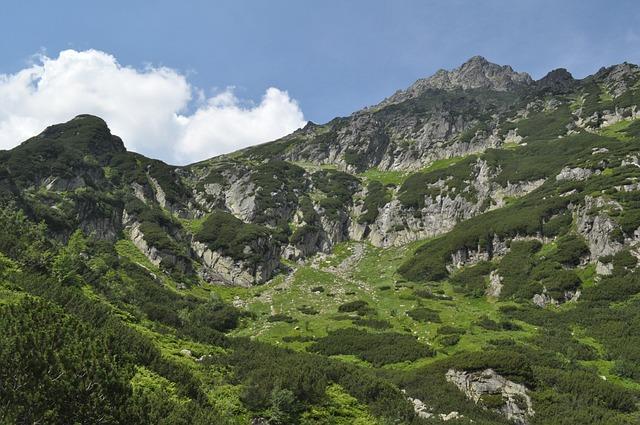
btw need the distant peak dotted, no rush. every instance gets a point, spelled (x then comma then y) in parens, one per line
(557, 81)
(618, 78)
(476, 73)
(476, 60)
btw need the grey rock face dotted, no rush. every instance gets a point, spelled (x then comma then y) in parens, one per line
(557, 81)
(574, 174)
(137, 237)
(420, 125)
(218, 268)
(161, 197)
(420, 408)
(240, 199)
(618, 78)
(465, 257)
(153, 254)
(543, 299)
(476, 73)
(139, 192)
(105, 226)
(59, 184)
(598, 228)
(516, 402)
(396, 225)
(495, 285)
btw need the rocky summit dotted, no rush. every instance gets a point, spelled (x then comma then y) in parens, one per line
(465, 251)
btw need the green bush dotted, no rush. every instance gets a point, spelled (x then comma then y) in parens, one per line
(570, 250)
(472, 280)
(416, 187)
(221, 231)
(371, 323)
(281, 318)
(424, 314)
(376, 348)
(449, 340)
(377, 197)
(353, 306)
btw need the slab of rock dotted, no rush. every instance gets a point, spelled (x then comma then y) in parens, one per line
(495, 285)
(574, 174)
(516, 406)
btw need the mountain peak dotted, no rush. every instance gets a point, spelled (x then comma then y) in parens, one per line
(87, 133)
(557, 81)
(477, 59)
(618, 78)
(476, 73)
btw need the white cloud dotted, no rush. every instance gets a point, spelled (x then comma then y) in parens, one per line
(147, 107)
(224, 125)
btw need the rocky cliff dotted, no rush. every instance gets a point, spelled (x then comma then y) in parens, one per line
(453, 146)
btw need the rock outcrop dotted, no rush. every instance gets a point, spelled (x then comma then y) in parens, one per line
(574, 174)
(495, 392)
(495, 285)
(543, 299)
(597, 227)
(221, 269)
(165, 259)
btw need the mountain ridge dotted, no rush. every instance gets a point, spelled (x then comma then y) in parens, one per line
(465, 254)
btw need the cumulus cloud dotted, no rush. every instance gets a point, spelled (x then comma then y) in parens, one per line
(152, 109)
(224, 125)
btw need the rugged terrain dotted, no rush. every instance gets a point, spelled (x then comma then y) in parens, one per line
(464, 251)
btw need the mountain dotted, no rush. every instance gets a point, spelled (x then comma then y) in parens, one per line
(464, 251)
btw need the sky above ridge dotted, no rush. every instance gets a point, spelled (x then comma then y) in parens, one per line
(183, 81)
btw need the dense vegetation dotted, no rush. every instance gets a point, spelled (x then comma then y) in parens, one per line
(223, 232)
(542, 285)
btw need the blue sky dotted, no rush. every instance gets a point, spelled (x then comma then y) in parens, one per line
(332, 57)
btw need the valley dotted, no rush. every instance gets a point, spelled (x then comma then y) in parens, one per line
(466, 251)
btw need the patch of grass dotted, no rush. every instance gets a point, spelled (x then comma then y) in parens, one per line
(387, 178)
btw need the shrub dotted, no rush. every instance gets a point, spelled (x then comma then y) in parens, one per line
(371, 323)
(221, 231)
(353, 306)
(376, 348)
(570, 250)
(281, 318)
(377, 197)
(472, 280)
(424, 314)
(449, 340)
(450, 330)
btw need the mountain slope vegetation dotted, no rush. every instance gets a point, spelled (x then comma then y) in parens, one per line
(466, 251)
